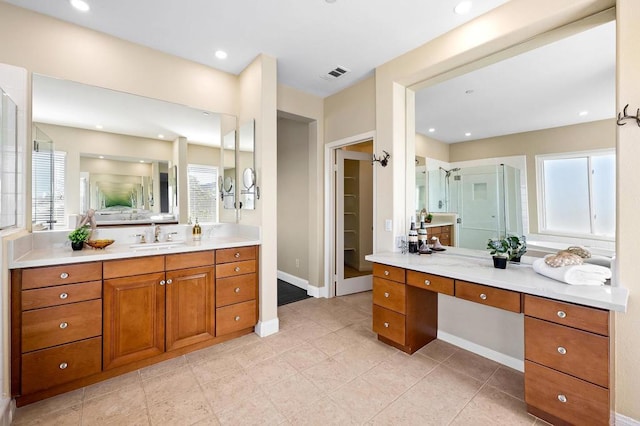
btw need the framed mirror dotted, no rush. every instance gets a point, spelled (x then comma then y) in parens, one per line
(246, 163)
(115, 132)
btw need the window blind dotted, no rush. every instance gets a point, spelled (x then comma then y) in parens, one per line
(203, 192)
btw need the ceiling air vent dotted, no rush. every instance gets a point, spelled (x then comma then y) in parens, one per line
(337, 72)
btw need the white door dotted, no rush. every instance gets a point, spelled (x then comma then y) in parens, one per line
(354, 222)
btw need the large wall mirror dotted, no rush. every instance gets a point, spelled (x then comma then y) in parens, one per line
(120, 154)
(523, 144)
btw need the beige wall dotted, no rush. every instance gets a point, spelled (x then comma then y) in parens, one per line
(432, 148)
(351, 111)
(580, 137)
(293, 197)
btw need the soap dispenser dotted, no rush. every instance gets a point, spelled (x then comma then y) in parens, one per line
(197, 231)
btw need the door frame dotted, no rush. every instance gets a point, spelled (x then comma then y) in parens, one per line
(328, 290)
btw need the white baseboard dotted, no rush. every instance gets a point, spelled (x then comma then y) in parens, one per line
(5, 411)
(314, 291)
(621, 420)
(509, 361)
(292, 279)
(267, 328)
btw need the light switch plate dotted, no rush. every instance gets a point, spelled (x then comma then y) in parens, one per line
(388, 225)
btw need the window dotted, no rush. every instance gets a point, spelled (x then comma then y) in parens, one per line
(203, 192)
(577, 194)
(48, 171)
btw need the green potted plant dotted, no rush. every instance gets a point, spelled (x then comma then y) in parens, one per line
(428, 218)
(518, 246)
(501, 251)
(79, 236)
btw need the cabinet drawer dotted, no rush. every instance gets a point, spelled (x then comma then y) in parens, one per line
(582, 317)
(490, 296)
(46, 327)
(576, 352)
(235, 268)
(389, 294)
(58, 275)
(135, 266)
(236, 254)
(61, 295)
(50, 367)
(189, 260)
(235, 289)
(565, 397)
(389, 324)
(235, 317)
(445, 239)
(388, 272)
(430, 282)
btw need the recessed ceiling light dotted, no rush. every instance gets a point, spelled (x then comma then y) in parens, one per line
(221, 54)
(161, 136)
(98, 126)
(205, 113)
(431, 130)
(101, 156)
(467, 134)
(80, 5)
(583, 113)
(468, 92)
(462, 8)
(330, 1)
(142, 161)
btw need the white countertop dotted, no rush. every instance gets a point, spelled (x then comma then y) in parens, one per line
(477, 266)
(433, 225)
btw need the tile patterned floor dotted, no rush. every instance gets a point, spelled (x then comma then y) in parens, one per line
(325, 367)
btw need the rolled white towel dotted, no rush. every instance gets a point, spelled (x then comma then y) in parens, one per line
(574, 274)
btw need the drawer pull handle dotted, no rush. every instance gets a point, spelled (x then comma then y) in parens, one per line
(483, 296)
(237, 290)
(386, 325)
(63, 365)
(427, 282)
(561, 350)
(64, 325)
(237, 269)
(562, 314)
(64, 275)
(169, 281)
(162, 282)
(63, 296)
(386, 295)
(562, 398)
(386, 273)
(237, 318)
(237, 255)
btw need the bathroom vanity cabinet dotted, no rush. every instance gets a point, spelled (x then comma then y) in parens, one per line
(567, 345)
(77, 324)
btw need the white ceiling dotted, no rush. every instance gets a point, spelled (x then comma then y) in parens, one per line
(543, 88)
(309, 38)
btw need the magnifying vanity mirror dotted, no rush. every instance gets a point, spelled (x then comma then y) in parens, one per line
(486, 141)
(123, 151)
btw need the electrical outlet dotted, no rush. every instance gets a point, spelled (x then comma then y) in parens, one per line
(297, 263)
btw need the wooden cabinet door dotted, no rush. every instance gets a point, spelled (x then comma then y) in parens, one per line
(190, 306)
(134, 315)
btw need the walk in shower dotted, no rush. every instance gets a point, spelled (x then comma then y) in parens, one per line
(487, 199)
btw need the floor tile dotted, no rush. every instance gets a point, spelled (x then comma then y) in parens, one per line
(252, 411)
(162, 367)
(271, 370)
(184, 408)
(438, 350)
(361, 400)
(69, 416)
(304, 356)
(226, 393)
(471, 364)
(399, 372)
(114, 407)
(47, 406)
(332, 343)
(112, 385)
(323, 412)
(329, 375)
(362, 357)
(161, 388)
(292, 393)
(491, 406)
(509, 381)
(222, 365)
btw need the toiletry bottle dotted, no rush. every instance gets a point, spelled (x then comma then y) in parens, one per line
(413, 237)
(197, 231)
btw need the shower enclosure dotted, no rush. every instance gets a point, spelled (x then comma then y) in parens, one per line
(487, 200)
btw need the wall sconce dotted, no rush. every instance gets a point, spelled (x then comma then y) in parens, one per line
(382, 160)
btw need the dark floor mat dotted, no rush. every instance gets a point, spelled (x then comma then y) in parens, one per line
(289, 293)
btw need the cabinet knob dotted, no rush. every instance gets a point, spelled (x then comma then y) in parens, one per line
(237, 318)
(63, 325)
(386, 325)
(562, 398)
(561, 350)
(169, 281)
(162, 282)
(64, 275)
(237, 289)
(386, 294)
(483, 296)
(562, 314)
(237, 255)
(427, 282)
(237, 269)
(63, 365)
(386, 273)
(63, 296)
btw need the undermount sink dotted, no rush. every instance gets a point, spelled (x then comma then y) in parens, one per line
(165, 245)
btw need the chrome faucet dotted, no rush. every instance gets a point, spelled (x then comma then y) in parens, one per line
(156, 234)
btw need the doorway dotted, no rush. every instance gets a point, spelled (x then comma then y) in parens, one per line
(353, 218)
